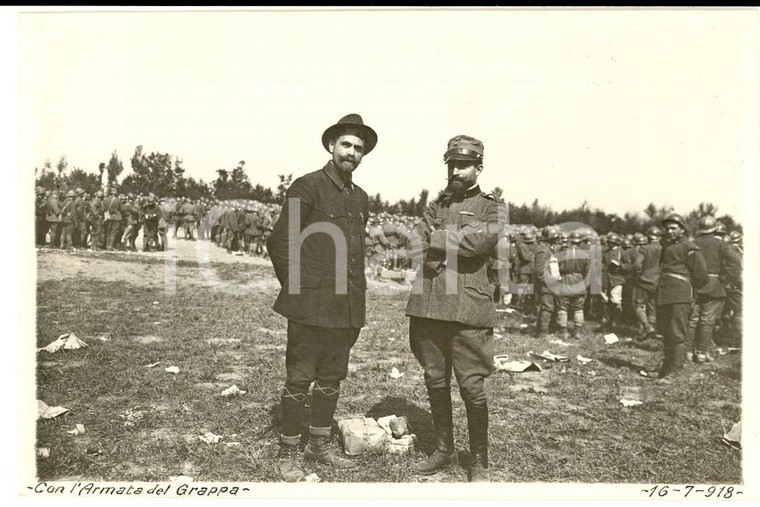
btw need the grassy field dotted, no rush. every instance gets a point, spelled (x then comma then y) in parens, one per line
(565, 424)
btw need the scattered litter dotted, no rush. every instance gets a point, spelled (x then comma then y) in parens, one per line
(46, 412)
(231, 391)
(611, 338)
(185, 407)
(498, 335)
(560, 343)
(155, 302)
(728, 350)
(549, 356)
(583, 360)
(523, 326)
(79, 430)
(312, 478)
(233, 444)
(734, 436)
(395, 374)
(399, 427)
(210, 438)
(171, 369)
(627, 340)
(505, 310)
(67, 341)
(502, 363)
(104, 338)
(43, 452)
(643, 373)
(153, 365)
(592, 373)
(180, 478)
(631, 403)
(157, 323)
(132, 416)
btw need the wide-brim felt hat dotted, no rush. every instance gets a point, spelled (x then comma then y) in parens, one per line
(351, 122)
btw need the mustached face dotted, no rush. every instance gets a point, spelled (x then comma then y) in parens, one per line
(463, 174)
(673, 232)
(347, 151)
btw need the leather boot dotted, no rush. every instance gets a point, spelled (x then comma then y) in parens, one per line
(318, 449)
(445, 453)
(477, 426)
(288, 462)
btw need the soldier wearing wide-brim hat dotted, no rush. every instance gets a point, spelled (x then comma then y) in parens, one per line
(683, 271)
(324, 303)
(451, 324)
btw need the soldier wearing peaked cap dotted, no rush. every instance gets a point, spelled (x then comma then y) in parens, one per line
(323, 292)
(683, 271)
(451, 305)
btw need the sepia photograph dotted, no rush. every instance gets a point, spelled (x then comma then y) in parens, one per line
(317, 252)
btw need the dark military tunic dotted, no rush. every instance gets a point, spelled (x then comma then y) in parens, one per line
(470, 299)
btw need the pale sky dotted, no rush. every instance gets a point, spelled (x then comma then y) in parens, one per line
(619, 108)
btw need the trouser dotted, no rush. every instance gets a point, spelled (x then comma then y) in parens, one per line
(130, 234)
(177, 225)
(734, 307)
(525, 299)
(40, 228)
(150, 236)
(76, 234)
(673, 325)
(162, 236)
(547, 305)
(198, 230)
(232, 240)
(570, 305)
(319, 355)
(645, 307)
(97, 234)
(111, 232)
(441, 346)
(704, 313)
(189, 229)
(67, 235)
(55, 234)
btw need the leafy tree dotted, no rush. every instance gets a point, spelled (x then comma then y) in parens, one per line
(78, 178)
(114, 169)
(232, 184)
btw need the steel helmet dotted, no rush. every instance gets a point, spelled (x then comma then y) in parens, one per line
(550, 233)
(639, 239)
(654, 232)
(576, 237)
(676, 219)
(627, 243)
(721, 229)
(736, 237)
(706, 225)
(71, 193)
(529, 237)
(613, 238)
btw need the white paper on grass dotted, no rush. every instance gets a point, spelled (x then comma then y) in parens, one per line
(43, 452)
(734, 435)
(67, 341)
(611, 338)
(210, 438)
(518, 366)
(171, 369)
(312, 478)
(395, 374)
(47, 412)
(560, 343)
(631, 403)
(583, 360)
(79, 430)
(233, 390)
(153, 365)
(549, 356)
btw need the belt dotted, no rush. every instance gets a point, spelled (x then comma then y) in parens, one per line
(676, 275)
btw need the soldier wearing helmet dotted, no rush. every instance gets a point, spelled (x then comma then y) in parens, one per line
(647, 269)
(546, 279)
(683, 271)
(525, 251)
(574, 266)
(68, 220)
(53, 216)
(733, 313)
(724, 270)
(96, 221)
(40, 222)
(616, 266)
(112, 215)
(721, 231)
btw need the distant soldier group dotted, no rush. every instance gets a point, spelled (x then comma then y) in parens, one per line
(243, 229)
(696, 282)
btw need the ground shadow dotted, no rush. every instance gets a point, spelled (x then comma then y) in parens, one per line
(419, 419)
(616, 362)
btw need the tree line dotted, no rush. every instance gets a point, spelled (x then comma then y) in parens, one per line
(163, 174)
